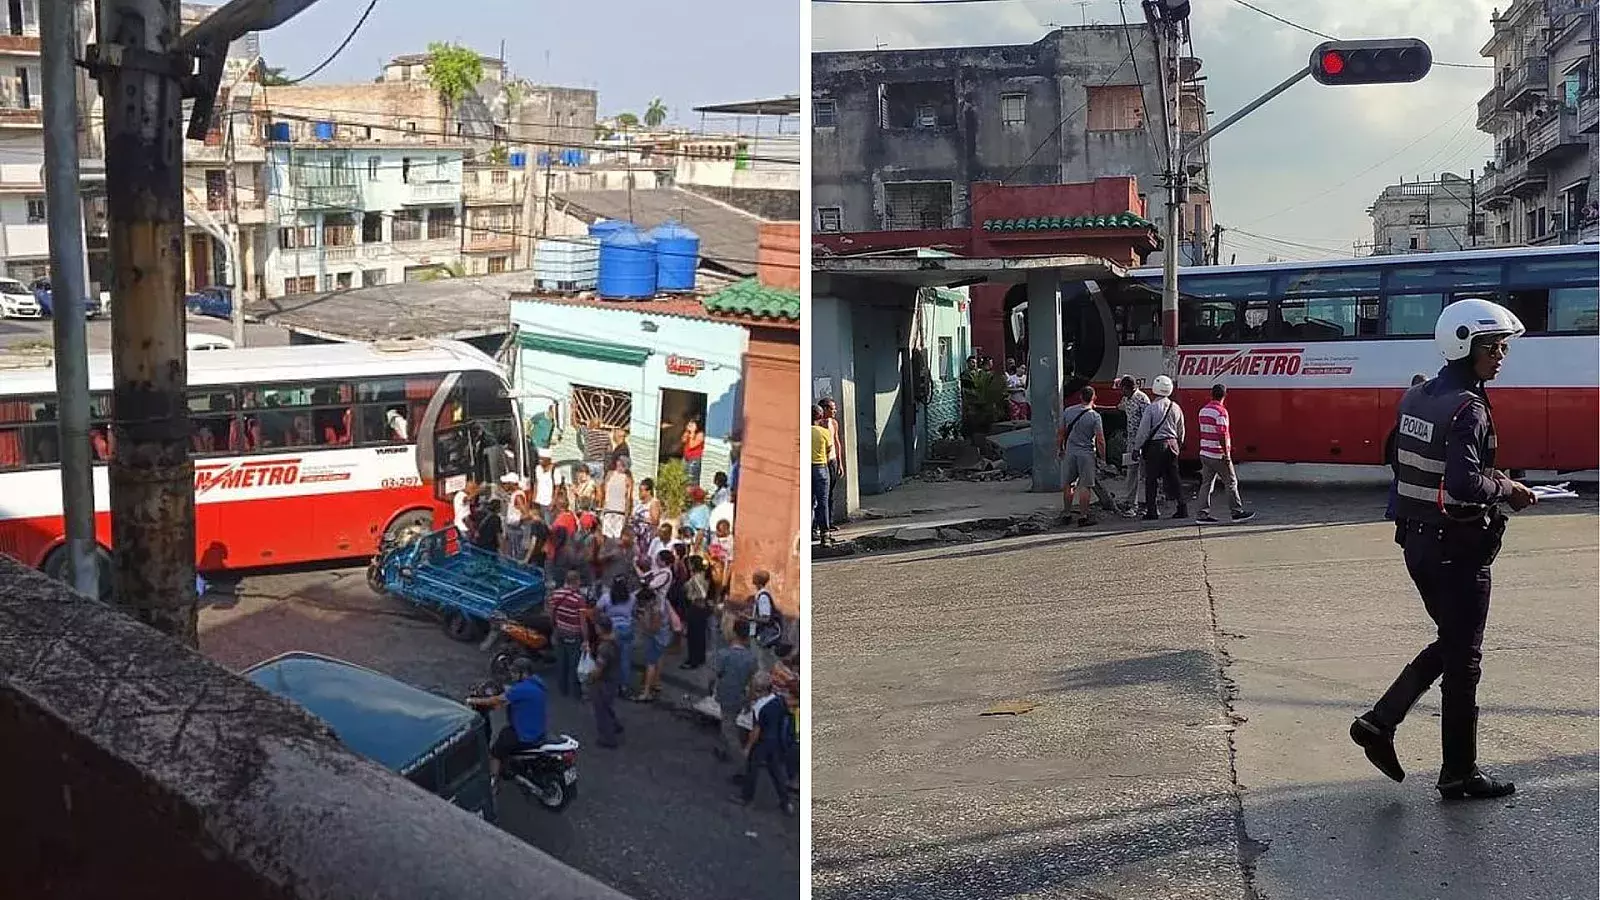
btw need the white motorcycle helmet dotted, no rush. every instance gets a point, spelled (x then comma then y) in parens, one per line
(1465, 320)
(1161, 386)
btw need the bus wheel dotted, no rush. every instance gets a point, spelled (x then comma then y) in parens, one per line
(407, 527)
(57, 564)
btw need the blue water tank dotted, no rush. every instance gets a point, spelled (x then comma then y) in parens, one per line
(677, 257)
(324, 131)
(627, 265)
(602, 227)
(518, 160)
(543, 159)
(279, 132)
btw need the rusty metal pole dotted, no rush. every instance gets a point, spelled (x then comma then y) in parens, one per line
(152, 477)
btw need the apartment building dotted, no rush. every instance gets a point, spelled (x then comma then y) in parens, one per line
(23, 242)
(899, 135)
(1541, 110)
(493, 195)
(1426, 216)
(356, 213)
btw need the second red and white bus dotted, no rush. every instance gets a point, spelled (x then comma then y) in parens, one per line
(1316, 355)
(301, 453)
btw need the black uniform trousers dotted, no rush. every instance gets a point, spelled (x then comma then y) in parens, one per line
(1161, 470)
(1450, 567)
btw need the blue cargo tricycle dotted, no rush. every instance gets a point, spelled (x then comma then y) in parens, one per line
(467, 587)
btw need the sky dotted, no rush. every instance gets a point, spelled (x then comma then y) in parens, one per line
(1302, 169)
(707, 51)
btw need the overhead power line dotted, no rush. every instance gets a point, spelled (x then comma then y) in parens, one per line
(339, 49)
(1326, 36)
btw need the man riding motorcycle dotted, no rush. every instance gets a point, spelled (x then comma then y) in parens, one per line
(525, 702)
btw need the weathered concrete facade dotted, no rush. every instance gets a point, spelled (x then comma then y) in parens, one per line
(899, 136)
(1540, 187)
(1423, 216)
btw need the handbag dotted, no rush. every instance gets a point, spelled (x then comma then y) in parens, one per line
(586, 665)
(746, 719)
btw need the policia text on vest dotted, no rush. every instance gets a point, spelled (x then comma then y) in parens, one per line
(1449, 522)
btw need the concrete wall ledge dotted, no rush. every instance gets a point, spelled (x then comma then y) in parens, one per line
(132, 767)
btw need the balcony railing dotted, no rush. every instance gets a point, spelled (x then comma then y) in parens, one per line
(1532, 77)
(18, 107)
(1489, 105)
(1588, 114)
(1489, 189)
(328, 196)
(1555, 136)
(1518, 177)
(490, 193)
(489, 241)
(433, 192)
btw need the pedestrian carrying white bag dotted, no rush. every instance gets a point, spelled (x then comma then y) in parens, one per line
(585, 665)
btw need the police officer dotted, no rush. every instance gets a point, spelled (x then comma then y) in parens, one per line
(1448, 520)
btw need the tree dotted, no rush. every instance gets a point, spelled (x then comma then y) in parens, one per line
(655, 114)
(627, 121)
(453, 72)
(499, 155)
(442, 271)
(602, 133)
(271, 76)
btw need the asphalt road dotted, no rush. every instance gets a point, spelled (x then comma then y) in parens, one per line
(36, 333)
(652, 819)
(1184, 700)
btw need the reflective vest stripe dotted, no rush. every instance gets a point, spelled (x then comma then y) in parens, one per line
(1417, 461)
(1434, 496)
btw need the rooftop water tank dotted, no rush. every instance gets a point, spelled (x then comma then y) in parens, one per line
(543, 159)
(627, 265)
(519, 159)
(599, 228)
(323, 131)
(278, 132)
(566, 264)
(677, 257)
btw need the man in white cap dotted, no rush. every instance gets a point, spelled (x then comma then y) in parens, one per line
(544, 482)
(1160, 436)
(515, 498)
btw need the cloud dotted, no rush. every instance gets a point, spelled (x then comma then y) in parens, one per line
(1298, 146)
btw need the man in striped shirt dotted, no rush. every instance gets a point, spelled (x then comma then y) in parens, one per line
(567, 609)
(1216, 458)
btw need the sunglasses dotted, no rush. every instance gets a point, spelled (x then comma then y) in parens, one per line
(1499, 348)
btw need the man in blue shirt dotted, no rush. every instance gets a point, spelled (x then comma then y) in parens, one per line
(525, 703)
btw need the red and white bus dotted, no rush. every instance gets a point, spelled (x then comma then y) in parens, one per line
(301, 453)
(1316, 355)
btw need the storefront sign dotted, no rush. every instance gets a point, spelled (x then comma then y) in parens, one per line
(684, 365)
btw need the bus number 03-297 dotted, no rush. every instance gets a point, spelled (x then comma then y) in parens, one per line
(401, 482)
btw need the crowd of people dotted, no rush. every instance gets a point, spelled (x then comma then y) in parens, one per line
(1155, 432)
(631, 583)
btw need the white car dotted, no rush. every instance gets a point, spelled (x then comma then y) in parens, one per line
(17, 301)
(199, 340)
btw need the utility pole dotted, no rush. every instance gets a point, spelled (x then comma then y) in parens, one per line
(145, 71)
(549, 179)
(1166, 29)
(64, 212)
(1216, 244)
(1472, 206)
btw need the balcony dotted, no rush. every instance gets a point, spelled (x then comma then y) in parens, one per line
(489, 194)
(1519, 179)
(1555, 138)
(1566, 17)
(1526, 82)
(199, 152)
(18, 109)
(432, 193)
(20, 44)
(1489, 106)
(26, 241)
(1489, 190)
(1587, 118)
(328, 196)
(490, 242)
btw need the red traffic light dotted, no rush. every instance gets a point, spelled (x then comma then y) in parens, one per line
(1389, 61)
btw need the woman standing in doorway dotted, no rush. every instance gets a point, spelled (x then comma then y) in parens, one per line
(694, 449)
(646, 514)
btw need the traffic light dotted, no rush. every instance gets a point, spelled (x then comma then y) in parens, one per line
(1389, 61)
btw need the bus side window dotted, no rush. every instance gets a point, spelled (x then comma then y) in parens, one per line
(11, 456)
(1412, 315)
(1532, 306)
(42, 447)
(1575, 310)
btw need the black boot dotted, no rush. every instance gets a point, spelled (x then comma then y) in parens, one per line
(1460, 778)
(1378, 742)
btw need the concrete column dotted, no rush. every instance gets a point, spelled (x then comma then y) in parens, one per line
(1044, 375)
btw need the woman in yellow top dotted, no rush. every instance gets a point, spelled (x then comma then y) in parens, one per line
(821, 449)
